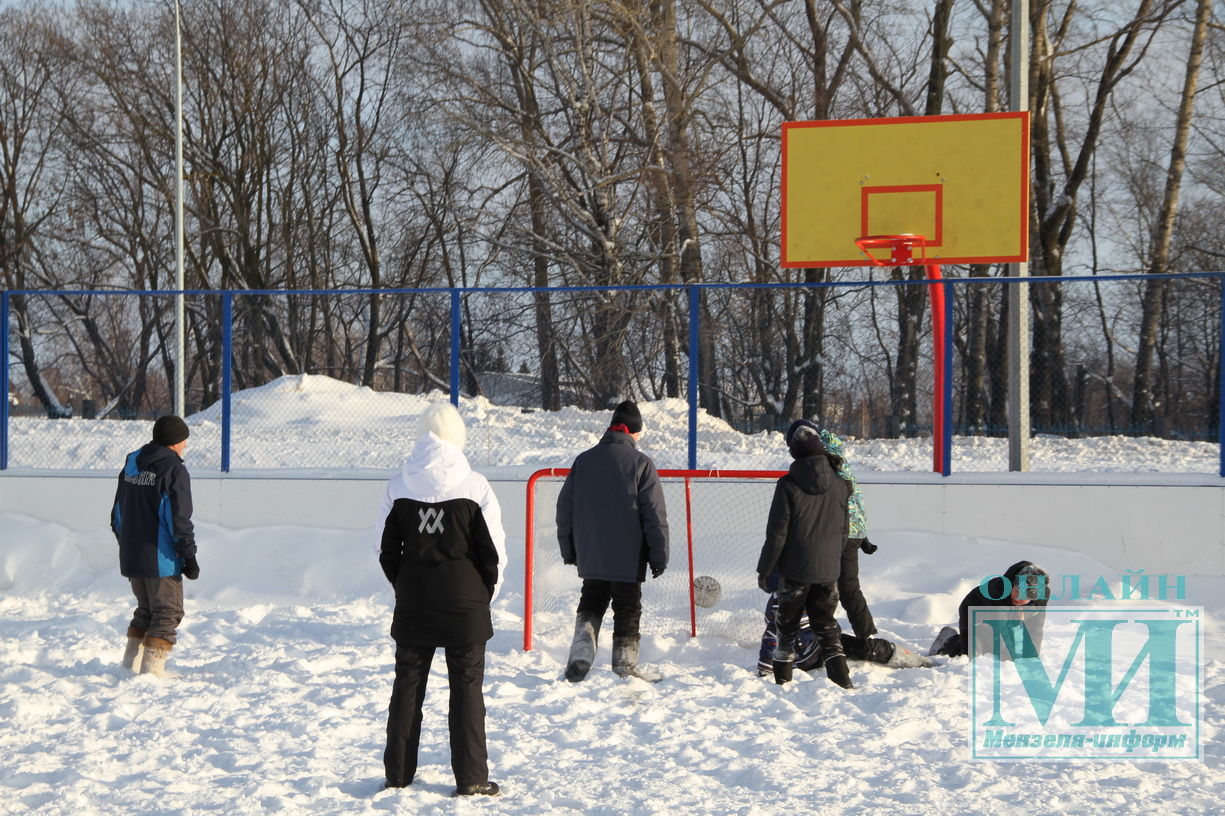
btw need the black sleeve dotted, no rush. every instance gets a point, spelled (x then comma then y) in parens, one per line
(179, 490)
(776, 531)
(565, 519)
(485, 554)
(653, 517)
(392, 547)
(116, 520)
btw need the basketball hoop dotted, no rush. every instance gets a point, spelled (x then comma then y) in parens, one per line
(900, 248)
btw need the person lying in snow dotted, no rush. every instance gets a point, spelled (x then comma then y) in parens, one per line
(1022, 587)
(809, 656)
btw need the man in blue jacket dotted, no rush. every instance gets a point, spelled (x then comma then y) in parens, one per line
(151, 519)
(611, 523)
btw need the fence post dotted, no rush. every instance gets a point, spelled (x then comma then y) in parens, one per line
(1220, 402)
(455, 328)
(227, 373)
(946, 443)
(4, 380)
(694, 303)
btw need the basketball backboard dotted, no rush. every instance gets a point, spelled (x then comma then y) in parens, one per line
(962, 182)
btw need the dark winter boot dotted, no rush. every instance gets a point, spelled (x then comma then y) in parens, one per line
(582, 647)
(483, 789)
(624, 656)
(157, 651)
(837, 670)
(947, 642)
(784, 659)
(135, 649)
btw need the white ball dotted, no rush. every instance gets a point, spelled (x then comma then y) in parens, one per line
(706, 591)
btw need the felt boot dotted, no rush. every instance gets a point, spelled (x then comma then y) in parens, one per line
(135, 649)
(157, 651)
(582, 647)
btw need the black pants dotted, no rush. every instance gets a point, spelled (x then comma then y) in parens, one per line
(853, 602)
(465, 716)
(159, 606)
(820, 601)
(626, 599)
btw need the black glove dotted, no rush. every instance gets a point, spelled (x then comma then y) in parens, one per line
(868, 547)
(191, 569)
(569, 563)
(656, 572)
(763, 583)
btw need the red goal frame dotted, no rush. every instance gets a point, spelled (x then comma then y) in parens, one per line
(529, 542)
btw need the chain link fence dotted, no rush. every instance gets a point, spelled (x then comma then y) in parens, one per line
(1119, 381)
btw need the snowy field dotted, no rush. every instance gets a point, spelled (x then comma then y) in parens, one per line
(311, 422)
(284, 665)
(284, 670)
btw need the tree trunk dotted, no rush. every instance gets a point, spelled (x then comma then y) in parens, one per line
(1145, 405)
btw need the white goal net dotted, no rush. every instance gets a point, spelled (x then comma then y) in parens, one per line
(716, 524)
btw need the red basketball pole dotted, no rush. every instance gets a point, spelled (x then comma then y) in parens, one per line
(901, 254)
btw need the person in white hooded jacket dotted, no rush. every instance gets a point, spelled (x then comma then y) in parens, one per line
(443, 549)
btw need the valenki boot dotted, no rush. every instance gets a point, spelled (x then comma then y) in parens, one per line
(582, 647)
(157, 651)
(135, 649)
(624, 656)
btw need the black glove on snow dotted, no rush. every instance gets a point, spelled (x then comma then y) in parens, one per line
(763, 583)
(191, 569)
(656, 572)
(868, 547)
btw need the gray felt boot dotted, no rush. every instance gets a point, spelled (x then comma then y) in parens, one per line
(582, 648)
(624, 656)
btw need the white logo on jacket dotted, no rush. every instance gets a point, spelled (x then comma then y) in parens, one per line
(431, 520)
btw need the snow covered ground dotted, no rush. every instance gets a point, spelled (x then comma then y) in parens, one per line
(284, 670)
(284, 664)
(315, 422)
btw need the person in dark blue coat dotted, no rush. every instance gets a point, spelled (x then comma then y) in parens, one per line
(151, 519)
(612, 525)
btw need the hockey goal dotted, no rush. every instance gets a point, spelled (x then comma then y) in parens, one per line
(716, 524)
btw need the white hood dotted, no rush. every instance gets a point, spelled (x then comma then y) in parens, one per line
(434, 469)
(437, 471)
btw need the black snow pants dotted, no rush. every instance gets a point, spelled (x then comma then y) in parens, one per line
(466, 715)
(626, 599)
(820, 601)
(851, 595)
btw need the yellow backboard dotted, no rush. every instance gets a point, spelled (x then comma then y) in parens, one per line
(962, 182)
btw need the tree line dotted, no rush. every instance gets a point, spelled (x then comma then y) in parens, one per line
(340, 144)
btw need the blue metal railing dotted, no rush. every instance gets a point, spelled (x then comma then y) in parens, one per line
(694, 294)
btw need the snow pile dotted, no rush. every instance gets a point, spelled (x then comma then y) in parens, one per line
(315, 422)
(285, 669)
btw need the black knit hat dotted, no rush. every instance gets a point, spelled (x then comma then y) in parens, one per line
(170, 430)
(803, 438)
(627, 414)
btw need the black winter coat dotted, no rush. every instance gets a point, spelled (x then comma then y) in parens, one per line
(443, 563)
(808, 522)
(1032, 613)
(611, 519)
(151, 515)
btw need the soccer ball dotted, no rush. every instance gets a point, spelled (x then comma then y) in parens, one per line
(706, 591)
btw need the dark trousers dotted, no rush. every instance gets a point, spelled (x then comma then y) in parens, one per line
(820, 601)
(159, 606)
(626, 599)
(465, 716)
(853, 602)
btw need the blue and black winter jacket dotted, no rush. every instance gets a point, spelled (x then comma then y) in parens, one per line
(151, 516)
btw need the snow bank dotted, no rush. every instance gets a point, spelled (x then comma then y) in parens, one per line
(311, 421)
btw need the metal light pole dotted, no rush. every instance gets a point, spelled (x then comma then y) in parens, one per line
(1018, 293)
(180, 388)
